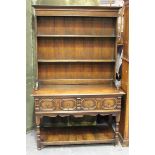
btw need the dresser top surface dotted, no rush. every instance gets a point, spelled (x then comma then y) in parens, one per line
(71, 90)
(74, 3)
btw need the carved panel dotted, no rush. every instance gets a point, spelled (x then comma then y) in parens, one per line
(88, 104)
(47, 104)
(68, 104)
(109, 103)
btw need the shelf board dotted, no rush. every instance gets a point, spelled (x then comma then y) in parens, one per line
(89, 36)
(74, 89)
(63, 60)
(77, 135)
(120, 44)
(74, 81)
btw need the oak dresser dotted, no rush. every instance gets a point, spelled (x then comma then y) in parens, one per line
(75, 57)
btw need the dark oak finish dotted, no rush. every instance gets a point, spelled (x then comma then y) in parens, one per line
(75, 72)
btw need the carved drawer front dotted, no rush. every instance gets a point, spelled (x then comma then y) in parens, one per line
(68, 104)
(109, 103)
(47, 104)
(88, 104)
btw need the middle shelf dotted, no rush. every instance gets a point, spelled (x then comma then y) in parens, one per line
(73, 35)
(71, 60)
(76, 49)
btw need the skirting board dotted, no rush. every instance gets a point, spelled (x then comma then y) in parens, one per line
(28, 130)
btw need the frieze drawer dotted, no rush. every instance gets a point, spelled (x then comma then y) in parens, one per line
(68, 104)
(88, 104)
(75, 104)
(109, 103)
(47, 104)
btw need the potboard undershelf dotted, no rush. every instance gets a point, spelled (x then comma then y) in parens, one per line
(77, 135)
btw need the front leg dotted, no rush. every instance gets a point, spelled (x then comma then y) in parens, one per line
(39, 146)
(117, 129)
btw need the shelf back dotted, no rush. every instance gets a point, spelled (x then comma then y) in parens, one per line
(76, 25)
(76, 48)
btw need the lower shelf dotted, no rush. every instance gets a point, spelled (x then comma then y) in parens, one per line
(77, 135)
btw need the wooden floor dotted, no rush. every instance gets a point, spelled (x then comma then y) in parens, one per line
(77, 135)
(61, 90)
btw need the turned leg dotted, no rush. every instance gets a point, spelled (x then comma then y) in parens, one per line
(117, 129)
(38, 132)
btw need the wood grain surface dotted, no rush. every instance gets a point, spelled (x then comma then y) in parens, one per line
(76, 135)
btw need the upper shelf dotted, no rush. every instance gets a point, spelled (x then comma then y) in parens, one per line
(86, 36)
(76, 27)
